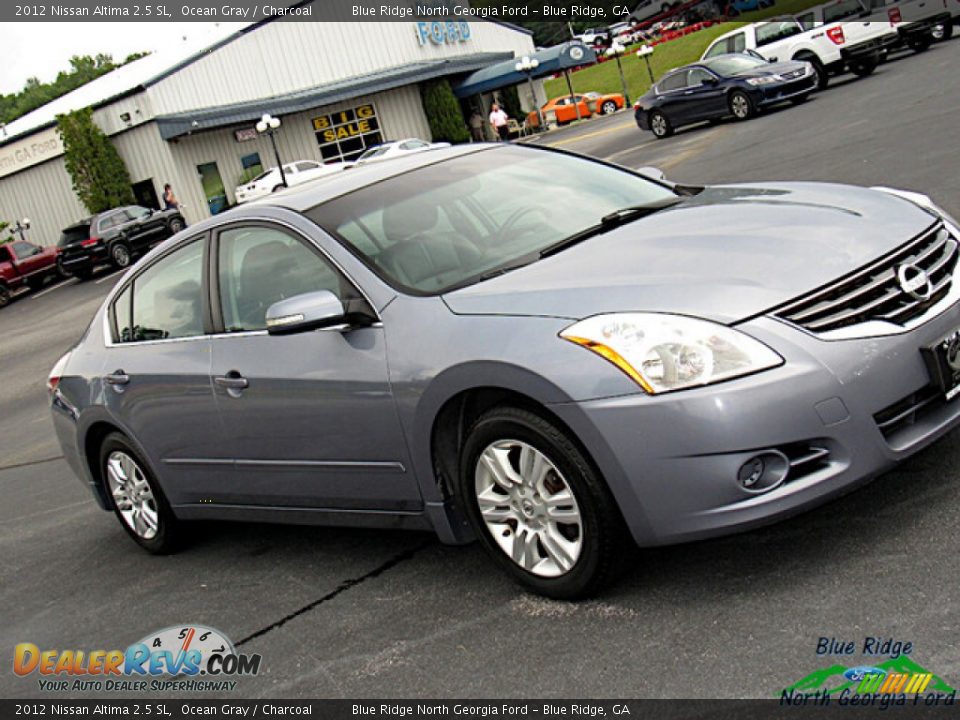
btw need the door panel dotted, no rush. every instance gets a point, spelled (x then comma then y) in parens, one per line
(310, 418)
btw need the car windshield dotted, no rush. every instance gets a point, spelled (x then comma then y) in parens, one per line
(733, 64)
(73, 234)
(458, 221)
(262, 175)
(842, 10)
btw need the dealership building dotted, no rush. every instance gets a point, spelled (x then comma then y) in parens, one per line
(187, 115)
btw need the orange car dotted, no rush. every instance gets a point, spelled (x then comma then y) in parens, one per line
(562, 110)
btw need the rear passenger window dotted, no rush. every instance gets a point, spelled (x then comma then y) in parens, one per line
(677, 81)
(259, 266)
(166, 299)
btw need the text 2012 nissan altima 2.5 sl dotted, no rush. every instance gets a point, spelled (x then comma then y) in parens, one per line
(552, 354)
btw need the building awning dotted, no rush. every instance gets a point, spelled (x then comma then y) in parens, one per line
(185, 123)
(551, 60)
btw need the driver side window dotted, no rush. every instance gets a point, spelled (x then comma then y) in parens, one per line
(259, 265)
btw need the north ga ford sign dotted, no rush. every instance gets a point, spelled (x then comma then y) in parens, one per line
(37, 148)
(439, 32)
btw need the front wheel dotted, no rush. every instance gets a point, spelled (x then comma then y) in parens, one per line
(136, 497)
(920, 44)
(176, 225)
(539, 508)
(608, 108)
(4, 296)
(660, 125)
(120, 255)
(741, 106)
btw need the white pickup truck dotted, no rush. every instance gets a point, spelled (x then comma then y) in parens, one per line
(919, 23)
(830, 41)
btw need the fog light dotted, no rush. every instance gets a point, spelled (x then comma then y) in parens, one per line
(763, 472)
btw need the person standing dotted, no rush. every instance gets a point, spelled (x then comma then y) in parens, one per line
(476, 126)
(170, 201)
(498, 121)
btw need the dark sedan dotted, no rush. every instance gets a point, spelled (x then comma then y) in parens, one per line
(738, 85)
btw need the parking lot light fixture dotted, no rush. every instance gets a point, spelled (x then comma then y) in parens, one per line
(645, 52)
(615, 51)
(269, 125)
(527, 65)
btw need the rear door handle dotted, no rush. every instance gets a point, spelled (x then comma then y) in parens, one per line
(117, 377)
(232, 381)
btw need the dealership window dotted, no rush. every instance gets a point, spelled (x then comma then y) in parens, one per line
(346, 134)
(252, 164)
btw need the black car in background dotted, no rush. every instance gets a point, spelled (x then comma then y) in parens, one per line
(114, 236)
(736, 84)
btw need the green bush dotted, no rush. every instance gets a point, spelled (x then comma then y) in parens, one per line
(443, 112)
(100, 178)
(511, 103)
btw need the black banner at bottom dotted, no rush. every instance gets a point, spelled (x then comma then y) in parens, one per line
(890, 705)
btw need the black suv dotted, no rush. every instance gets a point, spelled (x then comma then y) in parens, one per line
(115, 236)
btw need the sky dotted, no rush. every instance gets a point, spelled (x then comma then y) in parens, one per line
(44, 49)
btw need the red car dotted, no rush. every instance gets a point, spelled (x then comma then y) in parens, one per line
(23, 263)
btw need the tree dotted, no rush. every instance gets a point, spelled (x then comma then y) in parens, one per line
(510, 99)
(100, 178)
(443, 112)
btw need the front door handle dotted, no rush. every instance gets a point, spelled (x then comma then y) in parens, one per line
(233, 382)
(117, 377)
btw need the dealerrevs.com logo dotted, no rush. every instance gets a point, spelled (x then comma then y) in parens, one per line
(179, 658)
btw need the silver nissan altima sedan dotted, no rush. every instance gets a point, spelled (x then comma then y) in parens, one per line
(552, 354)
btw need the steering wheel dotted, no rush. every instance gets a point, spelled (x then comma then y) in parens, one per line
(511, 222)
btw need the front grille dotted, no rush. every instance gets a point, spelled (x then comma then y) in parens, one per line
(874, 292)
(793, 74)
(907, 411)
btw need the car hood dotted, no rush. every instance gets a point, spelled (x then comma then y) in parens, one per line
(727, 254)
(777, 68)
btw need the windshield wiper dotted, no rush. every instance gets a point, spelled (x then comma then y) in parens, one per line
(611, 221)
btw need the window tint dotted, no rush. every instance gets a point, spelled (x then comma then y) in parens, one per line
(698, 76)
(167, 297)
(259, 265)
(112, 220)
(737, 43)
(807, 20)
(73, 234)
(842, 10)
(772, 31)
(677, 81)
(718, 48)
(121, 316)
(23, 250)
(304, 166)
(135, 212)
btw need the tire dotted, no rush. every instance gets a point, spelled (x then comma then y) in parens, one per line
(175, 226)
(741, 106)
(660, 125)
(800, 99)
(823, 77)
(120, 255)
(4, 296)
(61, 271)
(862, 68)
(564, 559)
(920, 43)
(136, 497)
(608, 108)
(35, 283)
(942, 32)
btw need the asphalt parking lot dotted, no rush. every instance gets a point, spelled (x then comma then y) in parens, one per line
(357, 613)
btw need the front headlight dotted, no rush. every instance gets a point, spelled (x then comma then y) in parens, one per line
(763, 80)
(671, 352)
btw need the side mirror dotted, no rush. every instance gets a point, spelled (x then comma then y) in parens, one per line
(653, 173)
(309, 311)
(711, 81)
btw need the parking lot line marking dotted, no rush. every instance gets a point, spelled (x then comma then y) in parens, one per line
(596, 133)
(107, 277)
(68, 281)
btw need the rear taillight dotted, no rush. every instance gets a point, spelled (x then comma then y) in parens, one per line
(90, 242)
(836, 34)
(895, 16)
(54, 379)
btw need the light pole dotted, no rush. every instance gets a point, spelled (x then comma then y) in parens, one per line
(21, 228)
(615, 51)
(645, 52)
(269, 125)
(527, 65)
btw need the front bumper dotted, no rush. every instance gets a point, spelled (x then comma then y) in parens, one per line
(768, 95)
(923, 27)
(869, 48)
(672, 460)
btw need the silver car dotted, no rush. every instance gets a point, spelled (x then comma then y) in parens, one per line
(554, 355)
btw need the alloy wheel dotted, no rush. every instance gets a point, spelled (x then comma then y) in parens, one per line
(121, 256)
(609, 107)
(132, 494)
(528, 508)
(740, 106)
(659, 125)
(176, 226)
